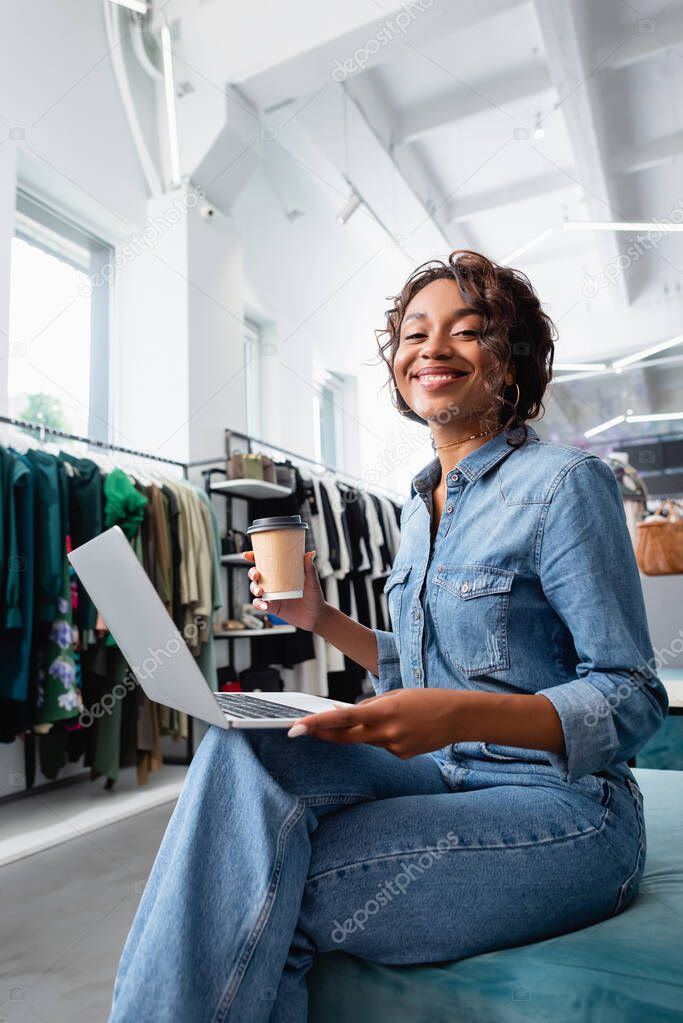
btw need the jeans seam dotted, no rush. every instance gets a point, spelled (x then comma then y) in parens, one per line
(335, 797)
(460, 848)
(238, 972)
(641, 847)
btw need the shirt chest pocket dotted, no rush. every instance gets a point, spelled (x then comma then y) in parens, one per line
(470, 608)
(395, 588)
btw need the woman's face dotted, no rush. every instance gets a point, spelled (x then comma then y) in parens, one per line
(439, 364)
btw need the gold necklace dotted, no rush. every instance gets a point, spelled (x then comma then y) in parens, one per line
(453, 443)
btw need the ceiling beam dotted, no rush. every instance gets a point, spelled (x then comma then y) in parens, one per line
(462, 102)
(520, 191)
(661, 150)
(350, 54)
(572, 78)
(372, 171)
(651, 37)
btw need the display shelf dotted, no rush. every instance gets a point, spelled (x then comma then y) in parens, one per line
(257, 489)
(276, 630)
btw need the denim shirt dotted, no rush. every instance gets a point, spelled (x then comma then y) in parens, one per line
(530, 586)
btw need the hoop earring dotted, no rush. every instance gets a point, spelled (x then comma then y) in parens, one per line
(518, 393)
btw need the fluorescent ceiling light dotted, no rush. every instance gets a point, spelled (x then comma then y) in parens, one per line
(604, 426)
(541, 236)
(654, 417)
(650, 417)
(140, 6)
(169, 91)
(581, 367)
(661, 346)
(620, 225)
(350, 207)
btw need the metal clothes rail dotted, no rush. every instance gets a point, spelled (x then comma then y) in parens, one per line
(45, 431)
(251, 440)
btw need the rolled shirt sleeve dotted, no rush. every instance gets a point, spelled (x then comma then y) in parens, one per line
(588, 572)
(389, 666)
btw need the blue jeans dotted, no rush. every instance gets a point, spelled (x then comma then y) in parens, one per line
(279, 849)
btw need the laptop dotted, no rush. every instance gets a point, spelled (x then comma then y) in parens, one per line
(155, 650)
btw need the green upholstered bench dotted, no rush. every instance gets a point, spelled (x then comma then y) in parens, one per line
(627, 969)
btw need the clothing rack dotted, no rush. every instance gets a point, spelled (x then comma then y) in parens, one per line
(251, 440)
(51, 431)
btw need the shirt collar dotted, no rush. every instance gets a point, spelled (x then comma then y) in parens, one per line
(472, 466)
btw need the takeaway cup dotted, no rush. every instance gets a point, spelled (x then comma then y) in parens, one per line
(278, 543)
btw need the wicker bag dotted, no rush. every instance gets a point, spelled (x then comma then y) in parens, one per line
(660, 541)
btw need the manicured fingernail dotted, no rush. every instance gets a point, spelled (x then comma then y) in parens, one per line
(296, 730)
(261, 605)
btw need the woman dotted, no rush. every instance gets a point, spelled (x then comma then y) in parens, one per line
(482, 799)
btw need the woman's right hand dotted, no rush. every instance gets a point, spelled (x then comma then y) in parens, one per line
(304, 612)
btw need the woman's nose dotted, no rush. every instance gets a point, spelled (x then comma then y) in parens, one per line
(438, 343)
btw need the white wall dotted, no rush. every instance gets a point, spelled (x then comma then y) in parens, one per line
(325, 286)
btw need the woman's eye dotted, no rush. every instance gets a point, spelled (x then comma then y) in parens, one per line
(468, 333)
(414, 337)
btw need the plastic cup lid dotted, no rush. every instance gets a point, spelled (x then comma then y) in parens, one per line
(277, 522)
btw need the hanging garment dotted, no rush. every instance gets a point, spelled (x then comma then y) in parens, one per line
(17, 625)
(50, 533)
(58, 694)
(124, 505)
(85, 521)
(173, 517)
(322, 559)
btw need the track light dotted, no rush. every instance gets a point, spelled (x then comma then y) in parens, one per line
(350, 207)
(169, 92)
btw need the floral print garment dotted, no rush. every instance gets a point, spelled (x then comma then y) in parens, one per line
(59, 696)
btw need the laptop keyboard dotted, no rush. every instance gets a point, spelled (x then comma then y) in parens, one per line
(237, 705)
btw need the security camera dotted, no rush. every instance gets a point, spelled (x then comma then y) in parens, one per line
(207, 212)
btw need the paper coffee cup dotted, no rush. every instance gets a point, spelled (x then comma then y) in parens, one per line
(279, 543)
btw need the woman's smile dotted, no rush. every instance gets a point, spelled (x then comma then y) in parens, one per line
(433, 378)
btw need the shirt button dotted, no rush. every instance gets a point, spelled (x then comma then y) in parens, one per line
(416, 614)
(417, 673)
(465, 587)
(454, 477)
(449, 508)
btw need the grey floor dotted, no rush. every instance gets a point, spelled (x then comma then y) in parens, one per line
(65, 916)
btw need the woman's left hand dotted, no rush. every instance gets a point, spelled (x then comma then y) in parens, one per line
(404, 721)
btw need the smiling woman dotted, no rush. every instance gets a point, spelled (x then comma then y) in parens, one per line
(481, 324)
(499, 720)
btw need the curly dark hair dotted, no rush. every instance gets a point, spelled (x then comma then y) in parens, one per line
(515, 331)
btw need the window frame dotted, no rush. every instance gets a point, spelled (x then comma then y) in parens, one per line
(61, 237)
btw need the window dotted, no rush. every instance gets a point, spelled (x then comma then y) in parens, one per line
(59, 323)
(252, 376)
(333, 409)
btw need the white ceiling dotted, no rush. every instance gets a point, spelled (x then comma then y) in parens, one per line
(483, 124)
